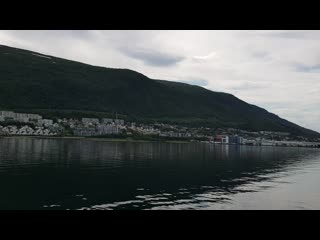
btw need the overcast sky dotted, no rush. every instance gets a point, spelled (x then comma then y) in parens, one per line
(276, 70)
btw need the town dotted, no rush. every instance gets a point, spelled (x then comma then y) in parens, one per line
(29, 124)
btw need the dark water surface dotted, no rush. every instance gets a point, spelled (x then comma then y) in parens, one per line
(83, 174)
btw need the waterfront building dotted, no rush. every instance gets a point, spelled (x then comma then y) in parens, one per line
(235, 140)
(104, 129)
(85, 132)
(221, 139)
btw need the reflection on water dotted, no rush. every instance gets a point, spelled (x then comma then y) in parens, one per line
(83, 174)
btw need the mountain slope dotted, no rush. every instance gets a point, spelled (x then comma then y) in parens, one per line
(30, 81)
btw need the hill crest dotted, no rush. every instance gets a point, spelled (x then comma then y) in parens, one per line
(34, 81)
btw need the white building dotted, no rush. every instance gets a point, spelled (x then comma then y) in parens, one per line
(45, 122)
(119, 121)
(225, 139)
(7, 114)
(106, 120)
(34, 116)
(84, 131)
(103, 129)
(21, 117)
(90, 120)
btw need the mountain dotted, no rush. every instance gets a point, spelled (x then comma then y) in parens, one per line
(33, 82)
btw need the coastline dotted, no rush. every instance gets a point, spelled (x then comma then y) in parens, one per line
(96, 139)
(99, 139)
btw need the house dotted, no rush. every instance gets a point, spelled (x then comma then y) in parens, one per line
(22, 117)
(45, 122)
(90, 120)
(104, 129)
(32, 116)
(106, 120)
(85, 132)
(119, 121)
(7, 114)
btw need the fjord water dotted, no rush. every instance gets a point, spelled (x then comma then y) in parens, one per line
(86, 174)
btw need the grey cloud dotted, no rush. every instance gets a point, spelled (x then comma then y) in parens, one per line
(199, 82)
(248, 86)
(260, 54)
(204, 58)
(299, 67)
(286, 34)
(153, 58)
(291, 34)
(50, 34)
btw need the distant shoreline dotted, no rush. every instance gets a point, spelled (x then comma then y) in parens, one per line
(137, 140)
(96, 139)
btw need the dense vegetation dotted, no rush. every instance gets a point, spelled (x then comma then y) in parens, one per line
(31, 82)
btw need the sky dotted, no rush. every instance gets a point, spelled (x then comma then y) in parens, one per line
(276, 70)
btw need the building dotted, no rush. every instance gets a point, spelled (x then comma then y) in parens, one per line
(90, 120)
(19, 117)
(85, 132)
(249, 142)
(22, 117)
(235, 140)
(105, 129)
(221, 139)
(174, 134)
(106, 120)
(225, 140)
(7, 115)
(45, 122)
(119, 121)
(32, 116)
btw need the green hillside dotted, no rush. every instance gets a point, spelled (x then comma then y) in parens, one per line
(31, 81)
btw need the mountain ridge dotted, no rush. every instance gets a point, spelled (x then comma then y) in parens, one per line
(31, 80)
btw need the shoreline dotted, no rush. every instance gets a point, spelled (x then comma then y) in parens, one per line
(96, 139)
(137, 140)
